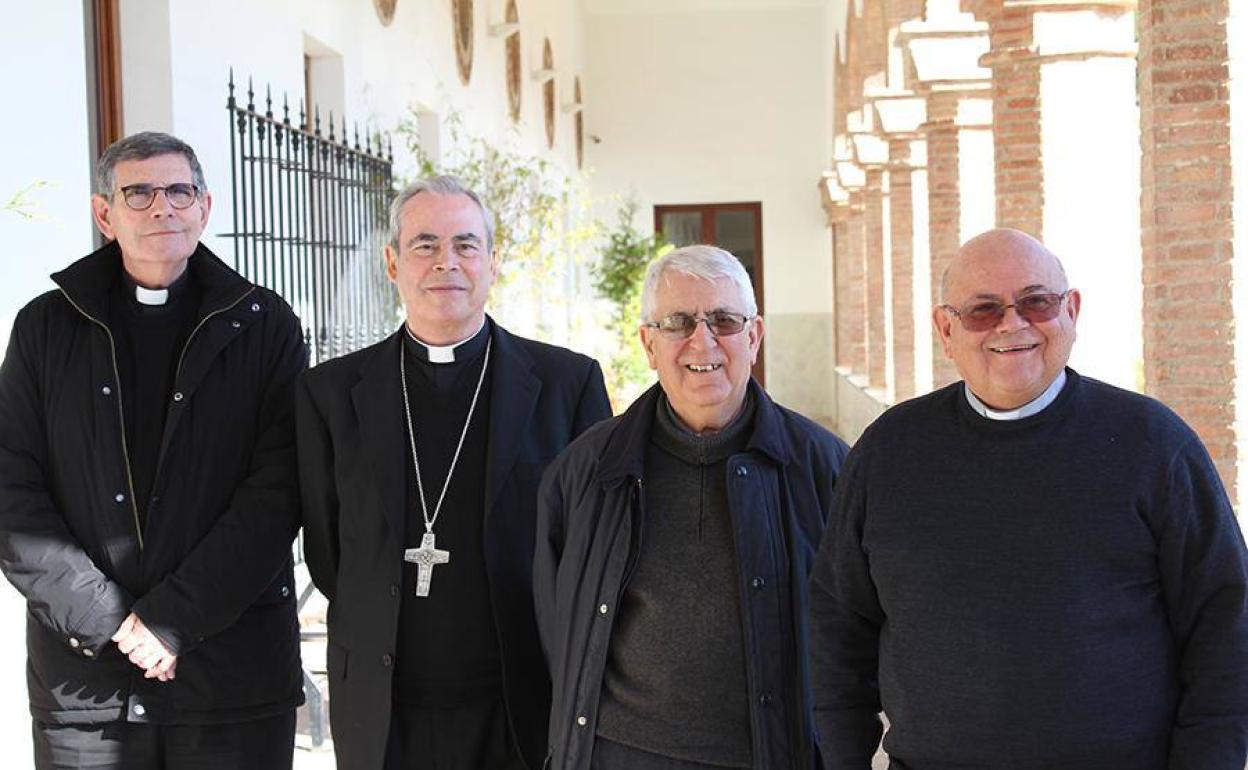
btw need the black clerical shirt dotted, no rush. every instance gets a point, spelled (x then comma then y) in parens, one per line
(148, 339)
(448, 651)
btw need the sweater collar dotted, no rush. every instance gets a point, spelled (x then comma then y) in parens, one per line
(625, 452)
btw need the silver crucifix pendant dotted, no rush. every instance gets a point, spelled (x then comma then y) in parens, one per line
(424, 558)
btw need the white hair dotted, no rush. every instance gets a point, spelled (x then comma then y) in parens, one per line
(700, 261)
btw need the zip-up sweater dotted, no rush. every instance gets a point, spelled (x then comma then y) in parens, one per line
(591, 525)
(209, 571)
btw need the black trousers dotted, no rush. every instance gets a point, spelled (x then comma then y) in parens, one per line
(261, 744)
(472, 737)
(609, 755)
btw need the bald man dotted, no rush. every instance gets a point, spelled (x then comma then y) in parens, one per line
(1029, 568)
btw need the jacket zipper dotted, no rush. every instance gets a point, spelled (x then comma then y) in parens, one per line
(182, 356)
(121, 417)
(177, 373)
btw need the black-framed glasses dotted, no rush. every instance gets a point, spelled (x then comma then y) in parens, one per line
(982, 315)
(722, 323)
(139, 197)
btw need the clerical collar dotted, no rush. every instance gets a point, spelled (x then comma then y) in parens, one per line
(1034, 406)
(448, 354)
(156, 297)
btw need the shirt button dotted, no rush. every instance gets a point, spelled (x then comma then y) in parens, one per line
(255, 307)
(73, 642)
(765, 699)
(285, 590)
(758, 582)
(581, 721)
(177, 396)
(394, 590)
(139, 710)
(742, 470)
(236, 324)
(387, 660)
(88, 653)
(119, 497)
(106, 390)
(602, 609)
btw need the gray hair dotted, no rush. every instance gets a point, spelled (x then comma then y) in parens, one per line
(437, 185)
(142, 146)
(700, 261)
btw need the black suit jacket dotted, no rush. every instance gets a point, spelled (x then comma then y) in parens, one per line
(352, 473)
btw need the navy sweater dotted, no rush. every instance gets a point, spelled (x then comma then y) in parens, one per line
(1065, 590)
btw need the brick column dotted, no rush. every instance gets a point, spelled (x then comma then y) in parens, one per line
(873, 261)
(1186, 227)
(901, 223)
(943, 206)
(851, 286)
(1016, 115)
(943, 52)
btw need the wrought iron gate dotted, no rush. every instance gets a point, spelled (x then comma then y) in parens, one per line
(310, 221)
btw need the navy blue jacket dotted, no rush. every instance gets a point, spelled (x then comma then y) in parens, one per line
(590, 524)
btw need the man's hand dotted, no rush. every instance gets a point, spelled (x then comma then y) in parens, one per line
(146, 651)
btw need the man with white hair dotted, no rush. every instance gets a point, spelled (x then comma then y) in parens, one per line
(419, 461)
(673, 548)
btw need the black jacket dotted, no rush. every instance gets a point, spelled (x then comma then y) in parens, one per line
(210, 574)
(591, 524)
(353, 475)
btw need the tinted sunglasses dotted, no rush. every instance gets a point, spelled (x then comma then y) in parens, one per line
(679, 326)
(982, 315)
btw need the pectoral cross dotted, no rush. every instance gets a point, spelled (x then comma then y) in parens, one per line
(424, 558)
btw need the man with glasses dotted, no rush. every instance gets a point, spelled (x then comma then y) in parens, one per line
(674, 544)
(420, 458)
(1029, 568)
(148, 491)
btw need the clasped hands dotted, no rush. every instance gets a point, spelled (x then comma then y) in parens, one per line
(145, 650)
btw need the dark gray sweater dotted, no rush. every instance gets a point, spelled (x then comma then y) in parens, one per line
(1067, 590)
(675, 681)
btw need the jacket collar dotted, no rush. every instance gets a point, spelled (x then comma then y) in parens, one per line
(624, 455)
(87, 282)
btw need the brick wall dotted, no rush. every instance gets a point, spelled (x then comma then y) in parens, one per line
(1189, 357)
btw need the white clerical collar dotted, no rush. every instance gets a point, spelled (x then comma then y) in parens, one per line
(146, 296)
(442, 354)
(1033, 406)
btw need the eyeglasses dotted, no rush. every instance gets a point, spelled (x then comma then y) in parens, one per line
(722, 323)
(985, 314)
(180, 195)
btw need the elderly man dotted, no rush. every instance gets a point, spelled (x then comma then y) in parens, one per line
(420, 459)
(148, 489)
(674, 544)
(1029, 568)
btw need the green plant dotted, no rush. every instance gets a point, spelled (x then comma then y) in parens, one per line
(618, 277)
(23, 202)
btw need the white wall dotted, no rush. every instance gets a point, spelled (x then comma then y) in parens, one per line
(45, 138)
(699, 102)
(386, 71)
